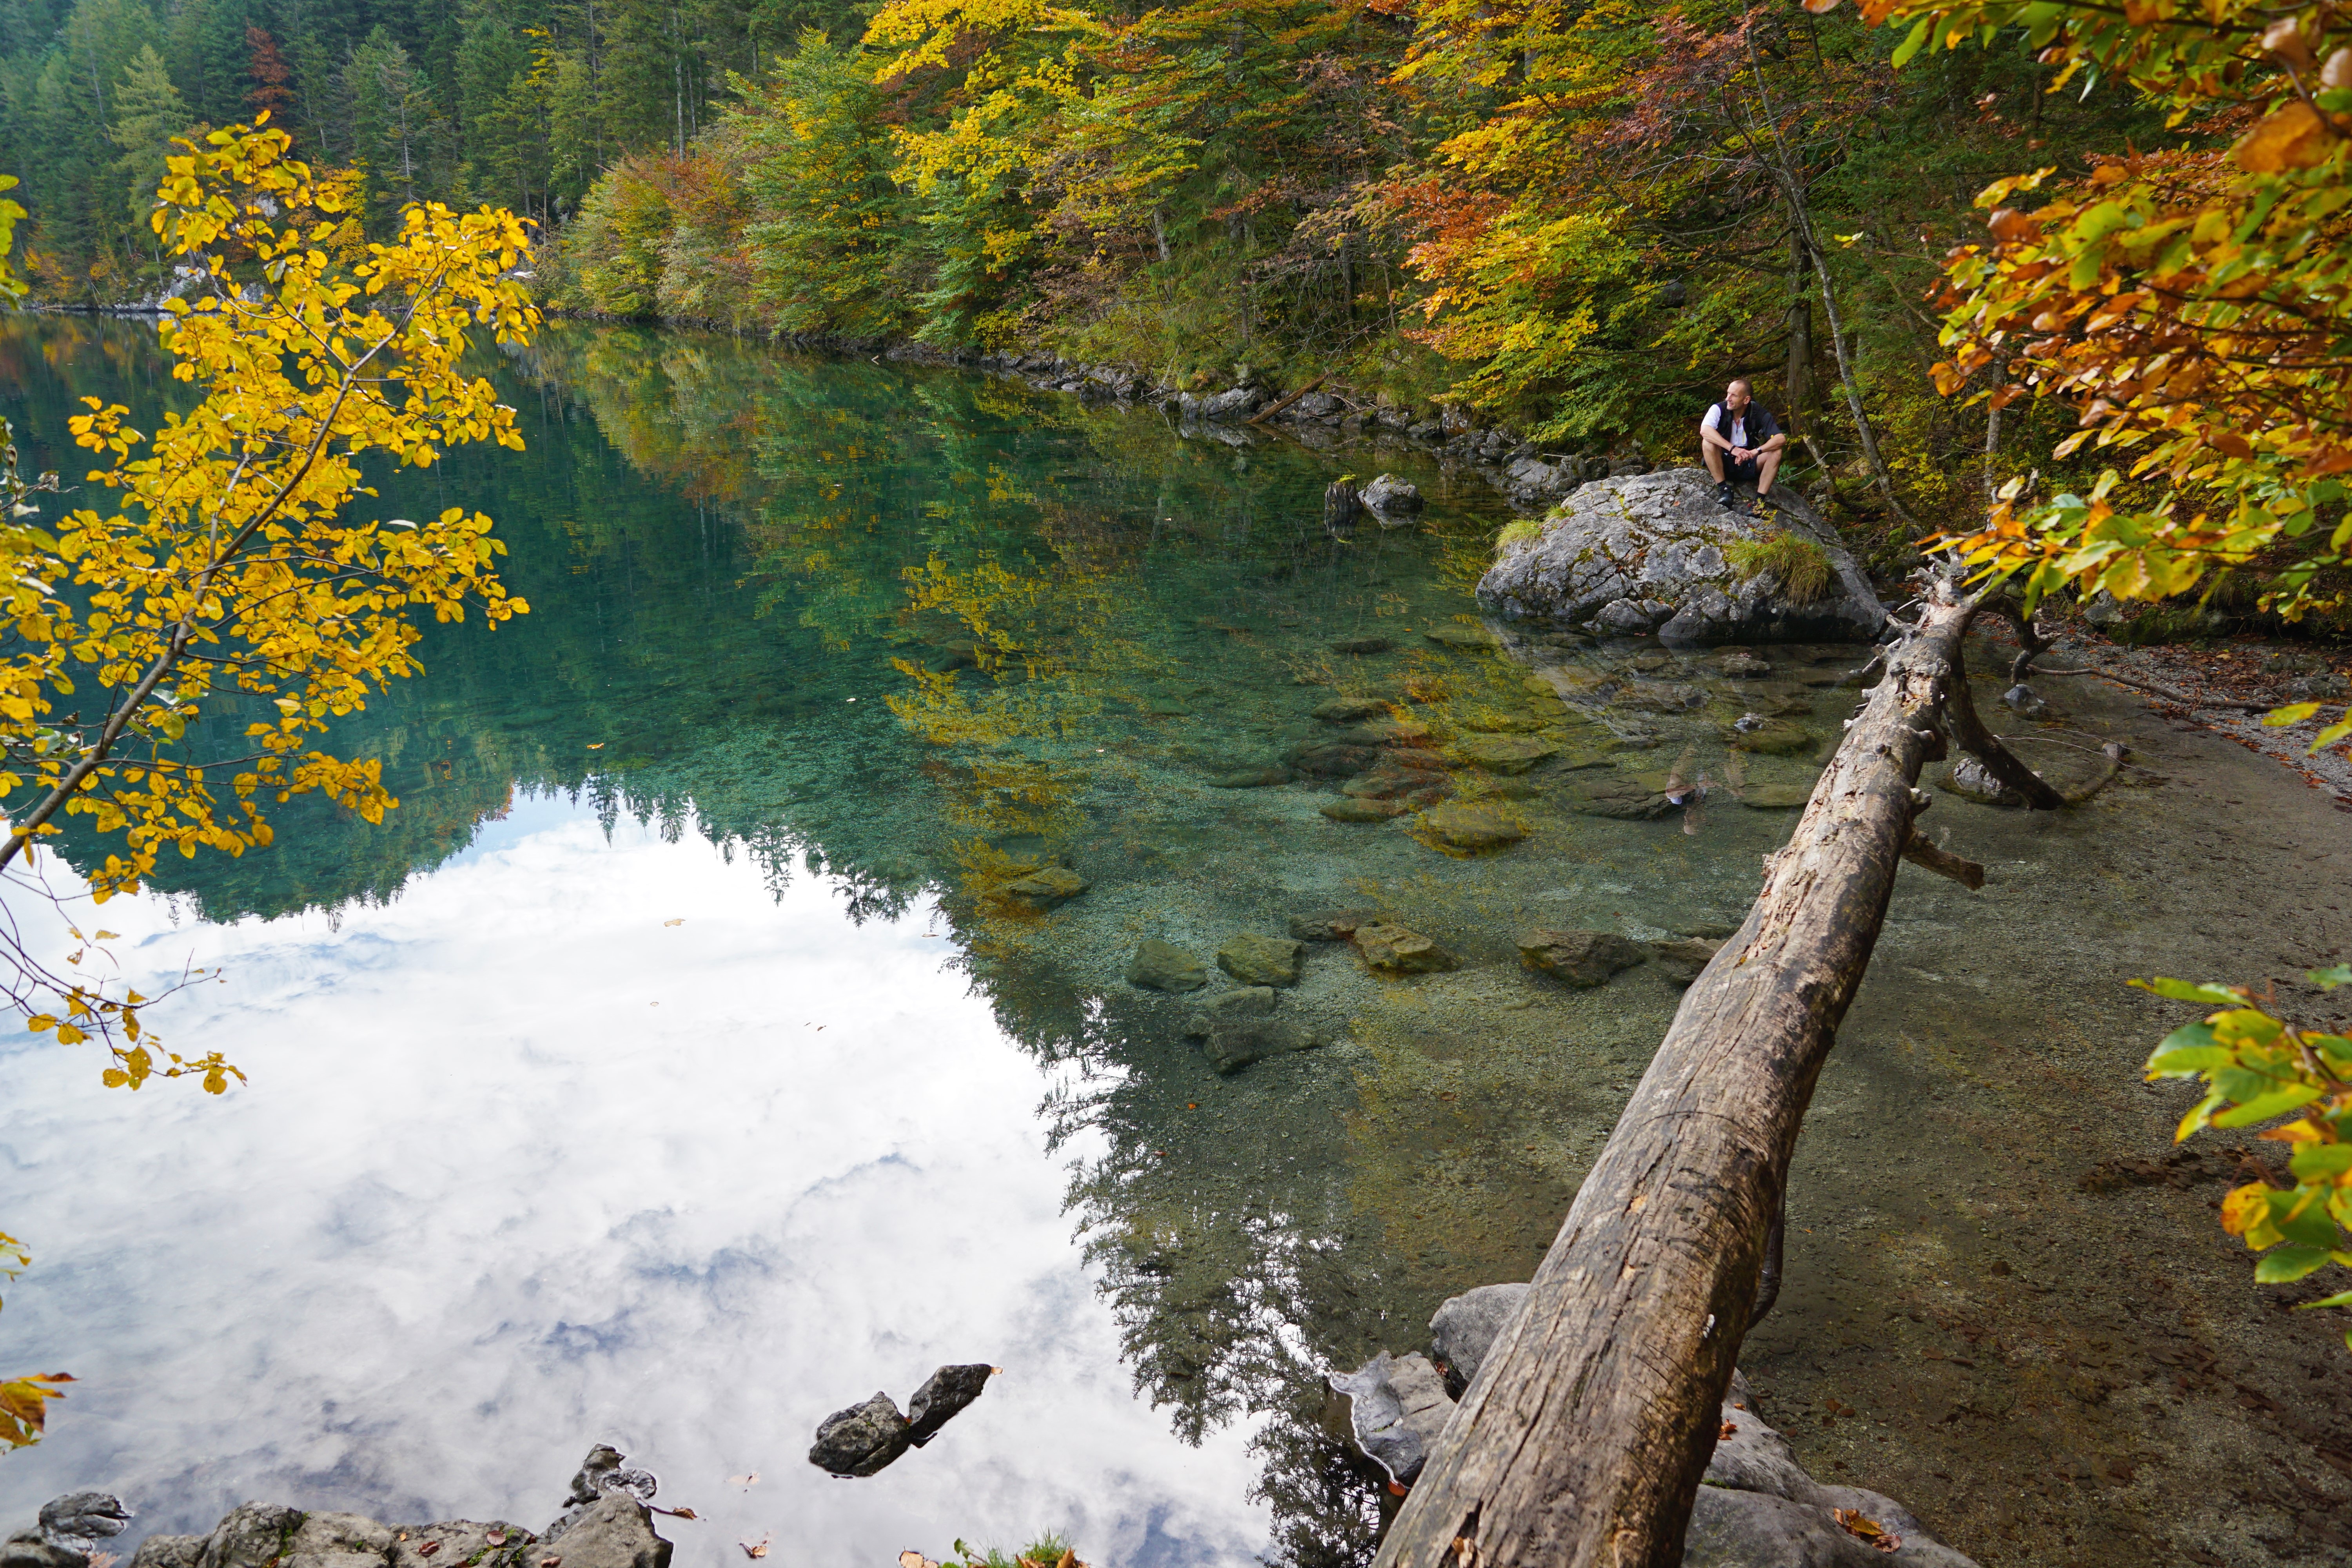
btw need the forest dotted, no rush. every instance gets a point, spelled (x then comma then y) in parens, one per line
(1577, 218)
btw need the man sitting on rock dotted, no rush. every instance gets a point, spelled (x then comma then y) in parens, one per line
(1741, 443)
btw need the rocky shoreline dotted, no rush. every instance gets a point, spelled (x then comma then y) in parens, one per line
(1756, 1505)
(606, 1521)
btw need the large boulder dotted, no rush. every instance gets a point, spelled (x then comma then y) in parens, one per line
(863, 1439)
(1644, 553)
(617, 1532)
(1466, 1327)
(1397, 1406)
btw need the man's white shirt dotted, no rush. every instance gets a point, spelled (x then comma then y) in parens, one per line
(1713, 421)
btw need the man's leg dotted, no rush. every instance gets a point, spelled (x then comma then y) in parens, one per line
(1766, 465)
(1712, 456)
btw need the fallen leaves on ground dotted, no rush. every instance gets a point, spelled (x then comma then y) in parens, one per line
(1862, 1527)
(756, 1548)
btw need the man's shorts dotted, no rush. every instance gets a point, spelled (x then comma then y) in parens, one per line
(1737, 472)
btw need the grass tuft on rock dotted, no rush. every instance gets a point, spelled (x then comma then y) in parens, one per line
(1523, 531)
(1803, 566)
(1048, 1551)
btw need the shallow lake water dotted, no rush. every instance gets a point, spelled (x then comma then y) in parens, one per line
(672, 1068)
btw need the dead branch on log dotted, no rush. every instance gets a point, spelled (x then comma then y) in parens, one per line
(2030, 642)
(2169, 693)
(1960, 713)
(1581, 1441)
(2114, 751)
(1262, 414)
(1943, 862)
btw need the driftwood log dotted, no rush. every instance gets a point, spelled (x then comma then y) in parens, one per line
(1582, 1439)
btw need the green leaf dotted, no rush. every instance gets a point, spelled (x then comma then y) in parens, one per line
(2329, 979)
(2311, 1228)
(2211, 992)
(2285, 1263)
(2293, 713)
(2314, 1162)
(2188, 1061)
(2342, 1299)
(2263, 1107)
(1911, 42)
(2329, 736)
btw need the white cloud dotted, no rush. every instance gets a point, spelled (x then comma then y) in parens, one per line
(521, 1167)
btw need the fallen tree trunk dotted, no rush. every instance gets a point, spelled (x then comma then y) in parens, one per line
(1581, 1442)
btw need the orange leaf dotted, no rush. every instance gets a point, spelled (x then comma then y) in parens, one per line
(2229, 443)
(2290, 137)
(1820, 7)
(2012, 228)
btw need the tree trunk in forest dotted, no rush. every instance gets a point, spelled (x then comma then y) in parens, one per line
(1801, 390)
(1581, 1442)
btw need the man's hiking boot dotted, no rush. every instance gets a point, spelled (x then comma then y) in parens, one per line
(1724, 496)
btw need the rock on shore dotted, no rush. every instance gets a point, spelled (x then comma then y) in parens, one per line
(1756, 1506)
(1644, 553)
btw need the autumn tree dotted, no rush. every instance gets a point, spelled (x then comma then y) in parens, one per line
(269, 94)
(2187, 307)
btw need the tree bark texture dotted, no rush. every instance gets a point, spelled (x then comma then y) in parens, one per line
(1581, 1442)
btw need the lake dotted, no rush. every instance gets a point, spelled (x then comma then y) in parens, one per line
(681, 1061)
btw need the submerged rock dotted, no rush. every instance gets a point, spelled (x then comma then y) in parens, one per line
(1681, 958)
(863, 1439)
(1350, 710)
(1043, 890)
(1363, 645)
(1398, 950)
(1473, 827)
(1256, 960)
(1231, 1043)
(1582, 958)
(1247, 1002)
(1462, 636)
(1396, 1408)
(1775, 797)
(1333, 759)
(1251, 778)
(1346, 809)
(1506, 753)
(1644, 553)
(1625, 798)
(1768, 737)
(1330, 925)
(1164, 966)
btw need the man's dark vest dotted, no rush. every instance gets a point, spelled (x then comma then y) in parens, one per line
(1761, 427)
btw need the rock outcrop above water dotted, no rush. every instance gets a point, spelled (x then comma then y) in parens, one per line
(868, 1438)
(1756, 1507)
(1647, 553)
(604, 1524)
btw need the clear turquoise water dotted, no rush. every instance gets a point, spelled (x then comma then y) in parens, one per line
(666, 1069)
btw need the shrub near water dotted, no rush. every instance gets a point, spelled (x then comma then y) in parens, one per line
(1801, 566)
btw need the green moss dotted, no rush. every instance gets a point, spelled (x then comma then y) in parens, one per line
(1801, 566)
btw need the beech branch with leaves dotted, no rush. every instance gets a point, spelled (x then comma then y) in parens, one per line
(231, 568)
(2257, 1067)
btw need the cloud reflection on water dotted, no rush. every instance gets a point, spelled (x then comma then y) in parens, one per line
(521, 1168)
